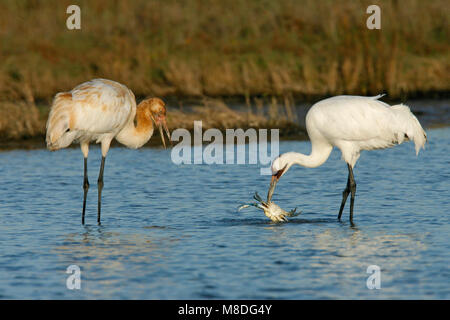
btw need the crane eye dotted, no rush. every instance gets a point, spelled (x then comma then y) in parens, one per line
(280, 172)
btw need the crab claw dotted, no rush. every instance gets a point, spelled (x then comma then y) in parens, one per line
(257, 197)
(243, 206)
(293, 213)
(257, 205)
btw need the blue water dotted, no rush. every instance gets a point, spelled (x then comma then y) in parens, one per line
(173, 232)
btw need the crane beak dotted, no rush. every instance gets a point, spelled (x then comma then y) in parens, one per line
(162, 124)
(273, 183)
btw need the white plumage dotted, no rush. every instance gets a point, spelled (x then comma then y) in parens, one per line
(96, 110)
(353, 124)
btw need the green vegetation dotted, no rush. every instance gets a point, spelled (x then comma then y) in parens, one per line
(197, 48)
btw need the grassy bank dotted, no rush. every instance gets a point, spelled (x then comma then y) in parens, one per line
(23, 124)
(287, 48)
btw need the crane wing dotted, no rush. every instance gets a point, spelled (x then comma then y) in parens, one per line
(351, 118)
(365, 122)
(101, 106)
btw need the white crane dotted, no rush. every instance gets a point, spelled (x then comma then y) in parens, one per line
(101, 110)
(353, 124)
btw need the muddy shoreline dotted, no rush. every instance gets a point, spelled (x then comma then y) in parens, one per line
(234, 114)
(38, 142)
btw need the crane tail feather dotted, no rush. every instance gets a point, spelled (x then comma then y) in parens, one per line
(378, 96)
(409, 126)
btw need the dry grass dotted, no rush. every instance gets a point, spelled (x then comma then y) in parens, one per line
(24, 120)
(223, 48)
(215, 113)
(281, 49)
(20, 120)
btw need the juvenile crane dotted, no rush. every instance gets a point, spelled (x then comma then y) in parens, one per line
(101, 110)
(353, 124)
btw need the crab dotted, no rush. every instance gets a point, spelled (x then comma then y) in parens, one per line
(271, 210)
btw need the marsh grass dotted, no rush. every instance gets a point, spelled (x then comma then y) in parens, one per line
(20, 120)
(23, 120)
(274, 50)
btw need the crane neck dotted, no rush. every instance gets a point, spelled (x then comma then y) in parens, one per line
(143, 119)
(319, 154)
(136, 136)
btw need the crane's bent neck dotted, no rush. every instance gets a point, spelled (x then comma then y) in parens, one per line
(136, 136)
(319, 154)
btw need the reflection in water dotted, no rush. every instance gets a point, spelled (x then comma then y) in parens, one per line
(104, 255)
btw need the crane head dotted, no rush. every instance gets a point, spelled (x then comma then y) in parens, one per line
(278, 169)
(157, 109)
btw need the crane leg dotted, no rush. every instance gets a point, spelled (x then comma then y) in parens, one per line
(353, 192)
(85, 188)
(100, 188)
(345, 194)
(349, 189)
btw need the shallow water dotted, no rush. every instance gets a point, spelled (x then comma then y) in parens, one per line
(173, 232)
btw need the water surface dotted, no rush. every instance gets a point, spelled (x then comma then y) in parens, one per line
(173, 232)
